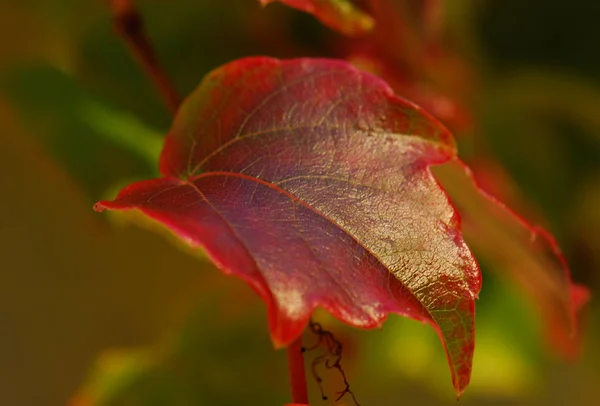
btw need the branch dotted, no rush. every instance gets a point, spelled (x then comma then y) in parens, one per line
(129, 26)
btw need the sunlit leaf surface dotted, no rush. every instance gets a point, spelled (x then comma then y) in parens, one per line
(309, 179)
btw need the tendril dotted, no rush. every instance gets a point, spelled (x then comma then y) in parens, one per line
(331, 358)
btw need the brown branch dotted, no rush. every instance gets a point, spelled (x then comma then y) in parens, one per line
(129, 26)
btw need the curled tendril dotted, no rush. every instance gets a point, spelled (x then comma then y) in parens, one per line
(331, 358)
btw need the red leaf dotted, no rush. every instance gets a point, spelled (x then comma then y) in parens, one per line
(310, 180)
(340, 15)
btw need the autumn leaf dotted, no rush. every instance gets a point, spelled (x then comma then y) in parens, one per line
(310, 180)
(340, 15)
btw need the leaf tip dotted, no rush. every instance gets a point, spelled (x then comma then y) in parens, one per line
(108, 205)
(100, 207)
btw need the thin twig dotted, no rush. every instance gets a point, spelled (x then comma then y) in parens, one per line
(130, 27)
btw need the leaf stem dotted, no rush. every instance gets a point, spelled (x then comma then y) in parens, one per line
(295, 357)
(130, 27)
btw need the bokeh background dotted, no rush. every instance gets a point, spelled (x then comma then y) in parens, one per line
(97, 311)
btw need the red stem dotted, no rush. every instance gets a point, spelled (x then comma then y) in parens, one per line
(295, 358)
(129, 25)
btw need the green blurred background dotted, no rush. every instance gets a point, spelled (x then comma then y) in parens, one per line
(95, 311)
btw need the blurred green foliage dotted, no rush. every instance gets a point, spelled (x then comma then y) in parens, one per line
(78, 118)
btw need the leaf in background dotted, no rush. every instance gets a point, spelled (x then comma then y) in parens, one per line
(529, 254)
(450, 110)
(309, 180)
(121, 129)
(80, 130)
(340, 15)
